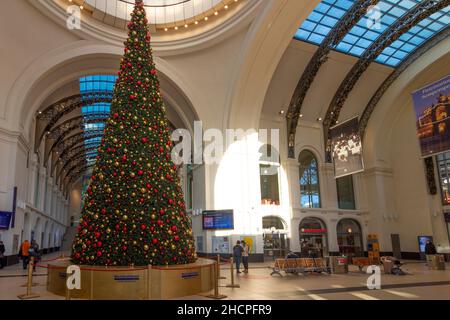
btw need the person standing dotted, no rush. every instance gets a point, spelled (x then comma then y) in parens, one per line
(430, 250)
(245, 255)
(237, 255)
(2, 255)
(25, 253)
(34, 252)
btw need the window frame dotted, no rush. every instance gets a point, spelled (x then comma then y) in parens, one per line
(310, 189)
(354, 207)
(445, 159)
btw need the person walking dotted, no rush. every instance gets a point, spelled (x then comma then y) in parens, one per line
(25, 253)
(2, 255)
(34, 252)
(237, 255)
(245, 255)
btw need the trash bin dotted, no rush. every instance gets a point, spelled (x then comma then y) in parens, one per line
(387, 266)
(437, 262)
(339, 264)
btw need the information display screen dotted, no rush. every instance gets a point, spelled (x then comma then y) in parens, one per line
(218, 220)
(5, 220)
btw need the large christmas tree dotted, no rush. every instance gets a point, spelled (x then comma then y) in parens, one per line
(134, 212)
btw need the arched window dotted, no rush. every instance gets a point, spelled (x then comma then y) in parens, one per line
(269, 165)
(309, 180)
(273, 222)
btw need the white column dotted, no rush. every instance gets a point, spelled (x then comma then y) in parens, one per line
(32, 178)
(54, 199)
(42, 182)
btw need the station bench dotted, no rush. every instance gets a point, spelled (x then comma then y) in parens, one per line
(300, 265)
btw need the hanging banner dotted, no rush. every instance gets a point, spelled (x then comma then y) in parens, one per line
(432, 109)
(5, 220)
(346, 148)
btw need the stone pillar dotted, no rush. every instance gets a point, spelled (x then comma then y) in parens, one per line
(42, 182)
(32, 172)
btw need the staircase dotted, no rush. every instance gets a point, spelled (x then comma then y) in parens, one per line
(67, 241)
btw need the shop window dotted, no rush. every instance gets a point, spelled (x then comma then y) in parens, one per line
(309, 180)
(443, 164)
(345, 193)
(349, 236)
(269, 167)
(313, 238)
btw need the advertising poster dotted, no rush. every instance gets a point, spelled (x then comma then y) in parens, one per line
(251, 241)
(221, 244)
(346, 148)
(432, 110)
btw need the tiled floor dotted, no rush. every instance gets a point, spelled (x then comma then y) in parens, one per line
(260, 285)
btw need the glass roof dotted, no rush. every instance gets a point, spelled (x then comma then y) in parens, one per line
(160, 11)
(326, 15)
(89, 84)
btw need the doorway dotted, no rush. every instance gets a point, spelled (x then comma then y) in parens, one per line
(313, 238)
(396, 249)
(275, 239)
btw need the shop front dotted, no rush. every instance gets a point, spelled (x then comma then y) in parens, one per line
(350, 238)
(313, 238)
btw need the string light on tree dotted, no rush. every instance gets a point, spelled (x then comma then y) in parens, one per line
(134, 211)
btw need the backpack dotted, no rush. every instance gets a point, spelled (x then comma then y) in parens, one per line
(237, 251)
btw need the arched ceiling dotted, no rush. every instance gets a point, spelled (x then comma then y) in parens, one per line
(165, 16)
(375, 35)
(69, 126)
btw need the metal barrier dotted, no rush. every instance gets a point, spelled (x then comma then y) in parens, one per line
(216, 295)
(232, 284)
(29, 294)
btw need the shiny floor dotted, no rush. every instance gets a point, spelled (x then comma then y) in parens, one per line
(258, 284)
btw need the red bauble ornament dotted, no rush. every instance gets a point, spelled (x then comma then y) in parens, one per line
(176, 238)
(97, 235)
(153, 72)
(155, 241)
(144, 140)
(99, 244)
(99, 253)
(116, 115)
(140, 172)
(132, 97)
(174, 229)
(103, 211)
(170, 201)
(143, 227)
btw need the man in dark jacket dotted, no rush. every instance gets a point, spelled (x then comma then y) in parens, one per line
(2, 255)
(430, 251)
(237, 255)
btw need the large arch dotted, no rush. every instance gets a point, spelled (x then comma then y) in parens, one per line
(66, 64)
(268, 38)
(384, 116)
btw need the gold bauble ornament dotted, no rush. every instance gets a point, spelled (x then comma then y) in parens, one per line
(125, 217)
(146, 247)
